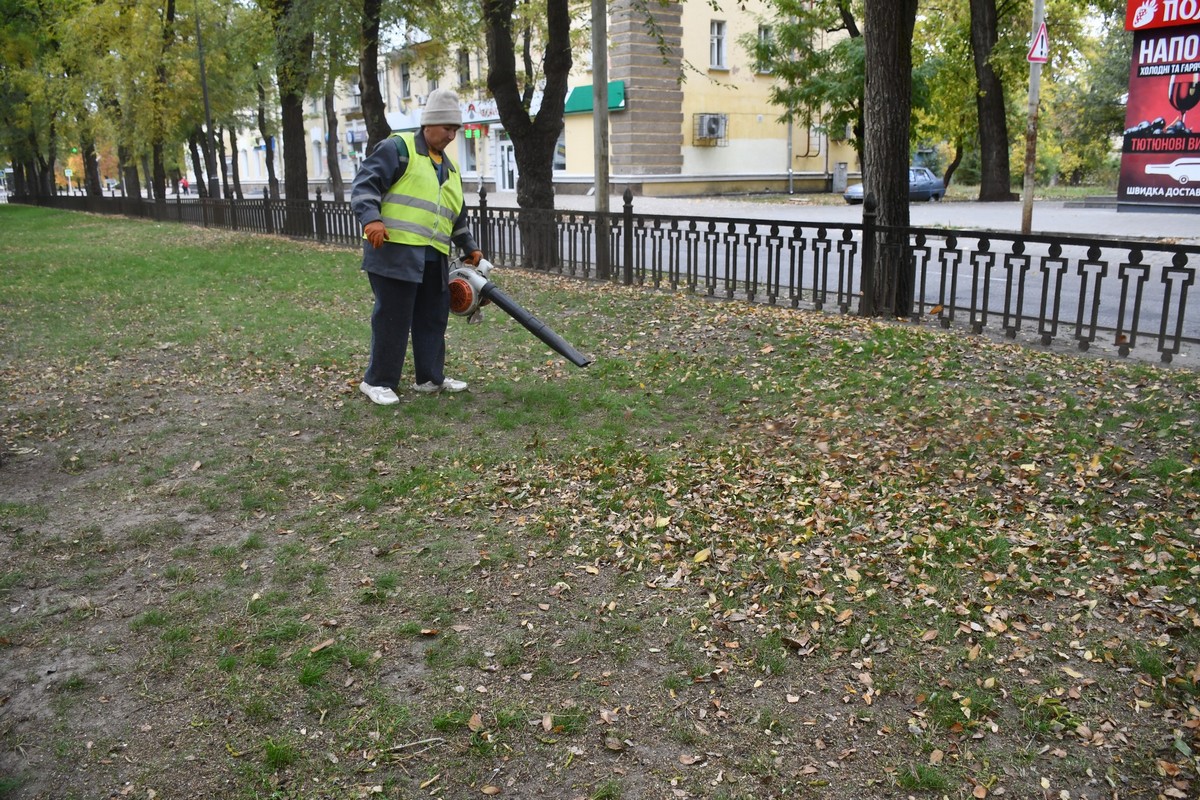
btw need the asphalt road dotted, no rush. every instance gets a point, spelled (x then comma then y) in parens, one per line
(1050, 217)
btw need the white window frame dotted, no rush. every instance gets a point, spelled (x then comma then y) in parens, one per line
(464, 68)
(765, 32)
(717, 50)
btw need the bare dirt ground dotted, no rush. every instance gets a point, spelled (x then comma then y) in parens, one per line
(242, 581)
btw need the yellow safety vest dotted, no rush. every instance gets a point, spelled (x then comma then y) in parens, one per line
(417, 210)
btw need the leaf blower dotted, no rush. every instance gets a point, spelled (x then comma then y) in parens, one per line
(470, 289)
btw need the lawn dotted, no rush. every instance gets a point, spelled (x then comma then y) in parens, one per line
(750, 552)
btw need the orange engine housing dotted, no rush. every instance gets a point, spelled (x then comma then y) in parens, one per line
(462, 296)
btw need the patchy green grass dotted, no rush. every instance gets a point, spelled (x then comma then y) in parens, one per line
(750, 552)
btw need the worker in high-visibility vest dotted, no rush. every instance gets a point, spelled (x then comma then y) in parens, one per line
(408, 196)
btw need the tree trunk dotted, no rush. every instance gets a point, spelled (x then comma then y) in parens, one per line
(887, 103)
(995, 182)
(130, 184)
(222, 162)
(952, 167)
(158, 178)
(23, 183)
(210, 164)
(295, 150)
(373, 108)
(91, 168)
(268, 142)
(234, 168)
(147, 175)
(336, 184)
(533, 140)
(294, 45)
(194, 141)
(159, 181)
(45, 165)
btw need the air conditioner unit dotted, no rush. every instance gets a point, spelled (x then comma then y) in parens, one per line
(420, 99)
(712, 126)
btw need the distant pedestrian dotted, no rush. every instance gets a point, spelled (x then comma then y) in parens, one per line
(184, 184)
(408, 196)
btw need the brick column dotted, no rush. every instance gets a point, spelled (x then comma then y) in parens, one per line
(647, 138)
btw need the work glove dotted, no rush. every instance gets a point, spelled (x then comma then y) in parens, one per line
(376, 233)
(473, 259)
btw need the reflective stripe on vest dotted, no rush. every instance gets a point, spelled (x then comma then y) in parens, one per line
(416, 210)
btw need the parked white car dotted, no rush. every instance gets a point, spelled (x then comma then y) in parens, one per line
(1183, 170)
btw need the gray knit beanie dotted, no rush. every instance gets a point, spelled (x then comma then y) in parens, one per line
(442, 109)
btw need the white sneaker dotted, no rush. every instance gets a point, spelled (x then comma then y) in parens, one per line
(380, 395)
(447, 385)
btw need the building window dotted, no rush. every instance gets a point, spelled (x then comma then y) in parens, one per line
(469, 163)
(765, 40)
(716, 45)
(433, 81)
(405, 81)
(464, 68)
(560, 152)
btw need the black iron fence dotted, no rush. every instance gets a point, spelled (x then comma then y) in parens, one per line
(1126, 296)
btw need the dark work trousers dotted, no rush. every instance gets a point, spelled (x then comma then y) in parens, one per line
(400, 307)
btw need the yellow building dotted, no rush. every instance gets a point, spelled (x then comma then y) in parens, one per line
(698, 120)
(695, 121)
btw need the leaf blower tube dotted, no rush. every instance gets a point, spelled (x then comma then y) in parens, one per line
(470, 289)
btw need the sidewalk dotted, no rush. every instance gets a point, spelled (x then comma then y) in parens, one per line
(1050, 217)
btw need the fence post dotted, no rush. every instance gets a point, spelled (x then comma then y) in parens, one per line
(320, 218)
(267, 221)
(867, 307)
(179, 207)
(485, 238)
(232, 213)
(627, 233)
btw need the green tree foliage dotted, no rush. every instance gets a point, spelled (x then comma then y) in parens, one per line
(34, 90)
(948, 115)
(816, 53)
(1083, 108)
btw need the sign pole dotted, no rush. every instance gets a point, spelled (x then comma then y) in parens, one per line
(1038, 54)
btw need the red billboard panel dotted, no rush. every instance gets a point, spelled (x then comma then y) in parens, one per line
(1160, 154)
(1143, 15)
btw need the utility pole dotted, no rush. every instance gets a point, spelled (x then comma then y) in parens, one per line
(600, 133)
(1038, 54)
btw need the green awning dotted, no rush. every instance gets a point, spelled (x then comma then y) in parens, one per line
(579, 101)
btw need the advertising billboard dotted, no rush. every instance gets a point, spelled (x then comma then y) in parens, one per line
(1160, 153)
